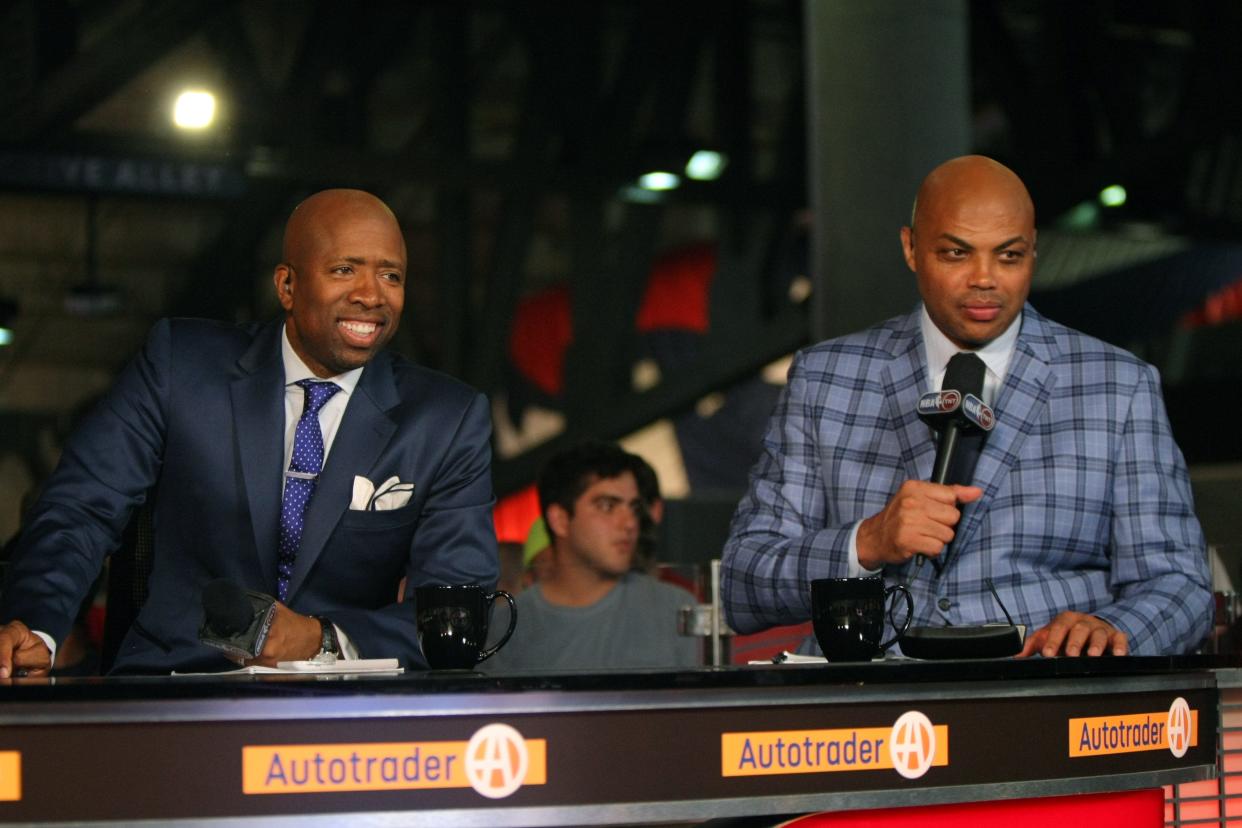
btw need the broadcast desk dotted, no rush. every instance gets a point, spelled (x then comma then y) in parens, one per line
(600, 748)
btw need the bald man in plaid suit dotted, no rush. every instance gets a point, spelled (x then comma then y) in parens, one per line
(1079, 511)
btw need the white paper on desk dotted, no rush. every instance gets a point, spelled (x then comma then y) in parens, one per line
(792, 658)
(342, 665)
(787, 657)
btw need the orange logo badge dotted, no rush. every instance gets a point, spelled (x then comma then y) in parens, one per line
(912, 744)
(496, 760)
(1179, 727)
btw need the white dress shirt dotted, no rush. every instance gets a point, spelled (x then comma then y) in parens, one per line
(938, 349)
(329, 421)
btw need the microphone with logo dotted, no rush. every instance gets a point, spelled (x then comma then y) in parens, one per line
(959, 415)
(956, 410)
(235, 620)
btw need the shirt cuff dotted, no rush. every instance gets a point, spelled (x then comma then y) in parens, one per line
(348, 650)
(856, 569)
(51, 645)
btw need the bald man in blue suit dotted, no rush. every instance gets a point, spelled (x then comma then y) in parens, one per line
(201, 424)
(1079, 512)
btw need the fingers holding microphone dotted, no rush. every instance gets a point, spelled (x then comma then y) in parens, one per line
(919, 519)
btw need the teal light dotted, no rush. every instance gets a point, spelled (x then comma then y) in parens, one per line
(637, 195)
(1083, 216)
(659, 181)
(6, 336)
(705, 165)
(1113, 196)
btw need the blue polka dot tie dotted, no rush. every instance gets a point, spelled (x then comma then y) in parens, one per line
(300, 479)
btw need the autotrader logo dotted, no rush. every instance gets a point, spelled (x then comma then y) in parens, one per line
(912, 744)
(496, 760)
(1179, 727)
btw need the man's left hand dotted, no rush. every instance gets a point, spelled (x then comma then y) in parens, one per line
(1075, 634)
(292, 637)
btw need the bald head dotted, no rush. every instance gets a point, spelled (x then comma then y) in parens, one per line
(971, 246)
(971, 178)
(315, 217)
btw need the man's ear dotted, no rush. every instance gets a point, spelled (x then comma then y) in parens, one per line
(282, 278)
(907, 246)
(558, 520)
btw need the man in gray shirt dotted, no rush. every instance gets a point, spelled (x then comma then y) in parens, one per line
(591, 610)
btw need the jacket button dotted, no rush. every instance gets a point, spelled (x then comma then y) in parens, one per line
(944, 604)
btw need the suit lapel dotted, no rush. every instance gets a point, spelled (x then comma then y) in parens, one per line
(1019, 406)
(364, 431)
(905, 380)
(258, 398)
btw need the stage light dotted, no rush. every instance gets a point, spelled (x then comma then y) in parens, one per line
(705, 165)
(1081, 216)
(1113, 196)
(8, 315)
(659, 181)
(194, 109)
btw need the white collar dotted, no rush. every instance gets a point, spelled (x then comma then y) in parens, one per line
(939, 349)
(295, 368)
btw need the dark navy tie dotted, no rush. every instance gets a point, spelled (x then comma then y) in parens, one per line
(304, 467)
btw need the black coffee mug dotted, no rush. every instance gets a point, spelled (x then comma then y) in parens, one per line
(848, 616)
(453, 621)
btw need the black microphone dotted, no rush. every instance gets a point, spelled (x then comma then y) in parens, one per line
(955, 410)
(235, 620)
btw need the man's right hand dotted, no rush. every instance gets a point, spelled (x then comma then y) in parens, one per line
(22, 650)
(918, 520)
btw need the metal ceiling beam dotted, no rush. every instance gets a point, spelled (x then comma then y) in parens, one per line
(531, 161)
(450, 136)
(148, 33)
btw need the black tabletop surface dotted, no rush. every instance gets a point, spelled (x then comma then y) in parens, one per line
(706, 678)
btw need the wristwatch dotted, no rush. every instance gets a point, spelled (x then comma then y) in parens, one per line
(329, 646)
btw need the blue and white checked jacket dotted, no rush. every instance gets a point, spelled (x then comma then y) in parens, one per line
(1086, 505)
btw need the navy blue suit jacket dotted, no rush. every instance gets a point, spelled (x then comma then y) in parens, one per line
(196, 422)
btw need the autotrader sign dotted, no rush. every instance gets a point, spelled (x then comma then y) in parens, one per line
(910, 747)
(495, 762)
(1175, 730)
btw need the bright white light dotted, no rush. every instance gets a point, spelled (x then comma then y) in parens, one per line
(6, 337)
(195, 109)
(659, 181)
(1113, 196)
(705, 165)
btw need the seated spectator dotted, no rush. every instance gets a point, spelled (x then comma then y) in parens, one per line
(590, 609)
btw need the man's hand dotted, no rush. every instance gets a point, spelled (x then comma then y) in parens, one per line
(22, 652)
(1070, 631)
(919, 519)
(293, 637)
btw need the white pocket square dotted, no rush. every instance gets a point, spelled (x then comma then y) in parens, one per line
(391, 494)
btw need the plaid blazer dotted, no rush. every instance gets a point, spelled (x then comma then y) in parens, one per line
(1086, 505)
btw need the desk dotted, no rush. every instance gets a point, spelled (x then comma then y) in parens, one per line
(600, 748)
